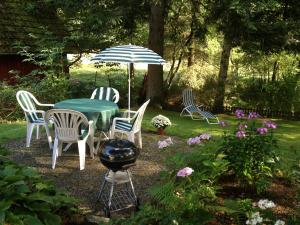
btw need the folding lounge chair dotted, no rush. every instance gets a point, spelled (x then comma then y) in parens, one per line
(197, 112)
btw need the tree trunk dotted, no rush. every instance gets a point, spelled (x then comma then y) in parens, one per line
(224, 62)
(191, 47)
(275, 69)
(156, 43)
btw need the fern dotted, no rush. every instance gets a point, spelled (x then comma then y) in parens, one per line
(164, 194)
(238, 209)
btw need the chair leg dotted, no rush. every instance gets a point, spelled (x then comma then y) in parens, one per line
(59, 146)
(90, 142)
(30, 127)
(140, 139)
(81, 149)
(37, 131)
(112, 133)
(131, 137)
(48, 136)
(54, 152)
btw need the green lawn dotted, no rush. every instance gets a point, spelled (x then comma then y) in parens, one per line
(288, 132)
(11, 131)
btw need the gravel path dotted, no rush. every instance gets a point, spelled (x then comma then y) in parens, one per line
(84, 185)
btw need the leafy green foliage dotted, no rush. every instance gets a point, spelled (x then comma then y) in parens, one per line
(238, 209)
(190, 199)
(25, 198)
(252, 157)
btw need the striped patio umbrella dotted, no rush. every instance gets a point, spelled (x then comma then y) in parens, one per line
(129, 54)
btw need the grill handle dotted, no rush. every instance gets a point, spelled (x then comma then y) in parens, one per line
(125, 167)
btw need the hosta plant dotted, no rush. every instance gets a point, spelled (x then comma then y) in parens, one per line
(27, 199)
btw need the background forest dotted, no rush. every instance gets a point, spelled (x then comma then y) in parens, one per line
(233, 53)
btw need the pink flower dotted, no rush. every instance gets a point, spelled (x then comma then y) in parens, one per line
(240, 134)
(262, 130)
(193, 141)
(185, 172)
(165, 143)
(205, 136)
(239, 113)
(223, 123)
(242, 126)
(252, 115)
(270, 124)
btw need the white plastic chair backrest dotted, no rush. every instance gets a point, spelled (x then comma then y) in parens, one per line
(68, 123)
(138, 117)
(28, 103)
(106, 93)
(188, 97)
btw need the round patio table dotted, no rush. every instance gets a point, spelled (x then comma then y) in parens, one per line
(100, 111)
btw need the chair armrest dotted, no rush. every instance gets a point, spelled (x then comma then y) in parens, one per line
(200, 106)
(36, 111)
(128, 113)
(49, 105)
(119, 118)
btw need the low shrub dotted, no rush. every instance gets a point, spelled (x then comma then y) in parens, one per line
(250, 151)
(187, 191)
(26, 198)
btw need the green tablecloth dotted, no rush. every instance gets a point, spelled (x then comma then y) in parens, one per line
(100, 111)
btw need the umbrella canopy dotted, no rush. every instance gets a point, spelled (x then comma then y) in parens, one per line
(129, 54)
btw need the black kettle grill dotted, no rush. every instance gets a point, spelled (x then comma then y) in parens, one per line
(118, 156)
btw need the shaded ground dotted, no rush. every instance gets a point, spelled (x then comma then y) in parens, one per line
(85, 184)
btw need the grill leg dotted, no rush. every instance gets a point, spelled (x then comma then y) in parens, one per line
(129, 177)
(102, 187)
(111, 190)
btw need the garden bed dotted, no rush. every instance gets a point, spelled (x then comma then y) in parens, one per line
(85, 184)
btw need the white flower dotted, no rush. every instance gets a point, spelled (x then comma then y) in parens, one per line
(160, 121)
(255, 219)
(265, 204)
(279, 222)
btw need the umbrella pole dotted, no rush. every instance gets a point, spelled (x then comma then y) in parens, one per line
(129, 89)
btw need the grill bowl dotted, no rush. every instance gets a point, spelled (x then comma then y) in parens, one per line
(118, 154)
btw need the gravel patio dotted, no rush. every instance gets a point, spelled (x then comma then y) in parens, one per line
(85, 184)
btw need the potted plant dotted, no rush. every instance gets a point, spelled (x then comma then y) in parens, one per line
(161, 122)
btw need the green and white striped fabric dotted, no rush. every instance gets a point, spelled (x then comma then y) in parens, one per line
(123, 125)
(106, 93)
(28, 105)
(129, 54)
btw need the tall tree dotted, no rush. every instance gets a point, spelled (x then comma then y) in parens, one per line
(254, 26)
(156, 43)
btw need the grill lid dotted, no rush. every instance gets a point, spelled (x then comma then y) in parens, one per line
(115, 150)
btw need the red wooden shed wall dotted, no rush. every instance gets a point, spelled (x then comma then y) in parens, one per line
(13, 62)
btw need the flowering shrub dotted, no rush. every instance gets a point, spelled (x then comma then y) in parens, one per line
(199, 139)
(165, 143)
(263, 214)
(250, 150)
(161, 121)
(185, 172)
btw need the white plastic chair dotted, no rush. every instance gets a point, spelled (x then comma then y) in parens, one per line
(106, 93)
(196, 112)
(33, 116)
(70, 127)
(130, 125)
